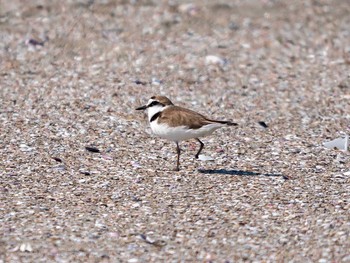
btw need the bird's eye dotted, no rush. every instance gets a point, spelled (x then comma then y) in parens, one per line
(153, 103)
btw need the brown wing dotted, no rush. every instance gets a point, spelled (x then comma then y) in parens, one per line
(178, 116)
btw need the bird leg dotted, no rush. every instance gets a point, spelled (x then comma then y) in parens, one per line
(200, 148)
(178, 151)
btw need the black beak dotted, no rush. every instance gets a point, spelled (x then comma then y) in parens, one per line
(142, 108)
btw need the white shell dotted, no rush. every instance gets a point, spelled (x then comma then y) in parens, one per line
(341, 143)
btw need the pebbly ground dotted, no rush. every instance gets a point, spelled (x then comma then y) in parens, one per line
(72, 73)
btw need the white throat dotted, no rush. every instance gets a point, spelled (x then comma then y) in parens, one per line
(153, 110)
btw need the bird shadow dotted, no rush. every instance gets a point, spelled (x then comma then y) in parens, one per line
(239, 173)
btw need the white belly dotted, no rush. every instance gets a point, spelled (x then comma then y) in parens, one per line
(182, 133)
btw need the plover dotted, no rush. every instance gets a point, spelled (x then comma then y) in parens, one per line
(177, 124)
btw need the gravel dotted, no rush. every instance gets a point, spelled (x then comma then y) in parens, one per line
(84, 180)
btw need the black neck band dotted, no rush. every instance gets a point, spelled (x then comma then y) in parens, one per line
(155, 116)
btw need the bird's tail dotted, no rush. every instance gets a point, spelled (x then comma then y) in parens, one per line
(229, 123)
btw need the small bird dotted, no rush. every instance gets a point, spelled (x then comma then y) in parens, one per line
(177, 124)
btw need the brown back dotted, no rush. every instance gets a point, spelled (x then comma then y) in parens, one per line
(178, 116)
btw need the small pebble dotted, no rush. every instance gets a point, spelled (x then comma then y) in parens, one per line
(214, 60)
(92, 149)
(205, 158)
(263, 124)
(139, 82)
(34, 42)
(57, 159)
